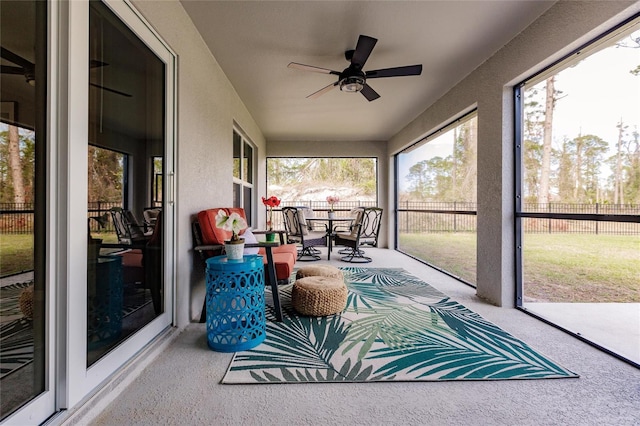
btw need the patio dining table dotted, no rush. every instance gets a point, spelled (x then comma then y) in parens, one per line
(329, 225)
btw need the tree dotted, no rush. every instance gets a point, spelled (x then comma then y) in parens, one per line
(533, 131)
(15, 166)
(106, 173)
(566, 172)
(431, 180)
(586, 152)
(464, 171)
(618, 193)
(545, 166)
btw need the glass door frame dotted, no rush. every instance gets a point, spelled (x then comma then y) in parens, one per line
(80, 380)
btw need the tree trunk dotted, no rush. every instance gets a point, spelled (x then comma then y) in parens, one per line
(618, 197)
(545, 172)
(15, 165)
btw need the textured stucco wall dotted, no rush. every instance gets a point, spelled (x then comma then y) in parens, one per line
(207, 106)
(563, 28)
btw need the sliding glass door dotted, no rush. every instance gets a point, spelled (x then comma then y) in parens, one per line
(126, 142)
(25, 322)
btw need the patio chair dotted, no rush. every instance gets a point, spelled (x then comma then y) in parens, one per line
(364, 231)
(128, 229)
(150, 216)
(298, 232)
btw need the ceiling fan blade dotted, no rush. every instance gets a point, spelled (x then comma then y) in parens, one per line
(18, 60)
(322, 91)
(369, 93)
(395, 72)
(363, 50)
(6, 69)
(303, 67)
(110, 90)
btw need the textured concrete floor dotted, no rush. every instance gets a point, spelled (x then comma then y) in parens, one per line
(181, 386)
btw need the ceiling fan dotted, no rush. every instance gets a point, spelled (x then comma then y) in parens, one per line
(353, 78)
(27, 68)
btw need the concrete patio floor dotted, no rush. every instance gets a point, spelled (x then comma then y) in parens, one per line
(181, 385)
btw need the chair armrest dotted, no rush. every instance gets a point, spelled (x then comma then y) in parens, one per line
(209, 247)
(280, 232)
(247, 245)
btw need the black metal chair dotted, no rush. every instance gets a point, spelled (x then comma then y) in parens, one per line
(298, 232)
(128, 229)
(364, 231)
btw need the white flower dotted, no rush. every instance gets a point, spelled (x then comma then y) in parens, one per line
(234, 222)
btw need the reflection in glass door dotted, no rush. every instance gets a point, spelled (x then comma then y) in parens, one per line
(125, 284)
(22, 204)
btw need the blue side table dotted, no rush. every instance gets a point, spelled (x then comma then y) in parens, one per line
(235, 303)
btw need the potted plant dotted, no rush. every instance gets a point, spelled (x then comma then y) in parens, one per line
(270, 202)
(332, 199)
(234, 247)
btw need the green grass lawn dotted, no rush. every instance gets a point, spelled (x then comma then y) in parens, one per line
(453, 252)
(16, 251)
(557, 267)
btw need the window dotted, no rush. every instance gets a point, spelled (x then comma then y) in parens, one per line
(436, 183)
(578, 190)
(243, 154)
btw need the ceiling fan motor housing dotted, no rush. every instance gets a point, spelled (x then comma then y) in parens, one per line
(352, 80)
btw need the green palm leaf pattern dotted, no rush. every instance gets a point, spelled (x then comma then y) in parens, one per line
(395, 328)
(306, 342)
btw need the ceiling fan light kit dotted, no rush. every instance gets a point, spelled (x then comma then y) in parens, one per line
(352, 84)
(352, 79)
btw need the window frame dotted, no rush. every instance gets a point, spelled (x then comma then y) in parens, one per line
(244, 184)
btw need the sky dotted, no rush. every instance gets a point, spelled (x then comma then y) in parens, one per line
(599, 91)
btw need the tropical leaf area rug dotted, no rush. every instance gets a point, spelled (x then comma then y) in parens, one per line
(395, 328)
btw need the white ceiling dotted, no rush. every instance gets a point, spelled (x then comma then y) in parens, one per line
(253, 41)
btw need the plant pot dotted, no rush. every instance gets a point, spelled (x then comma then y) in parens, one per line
(234, 251)
(332, 215)
(270, 237)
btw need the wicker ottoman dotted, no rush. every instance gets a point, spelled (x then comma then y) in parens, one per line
(319, 296)
(319, 271)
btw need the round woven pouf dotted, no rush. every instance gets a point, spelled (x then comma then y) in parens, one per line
(319, 296)
(26, 302)
(319, 271)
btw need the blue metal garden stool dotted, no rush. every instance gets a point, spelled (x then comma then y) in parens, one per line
(235, 303)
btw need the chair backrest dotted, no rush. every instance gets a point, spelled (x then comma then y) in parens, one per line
(292, 223)
(136, 229)
(304, 213)
(150, 216)
(118, 223)
(211, 234)
(127, 227)
(371, 221)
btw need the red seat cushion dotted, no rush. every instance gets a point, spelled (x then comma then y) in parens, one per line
(284, 263)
